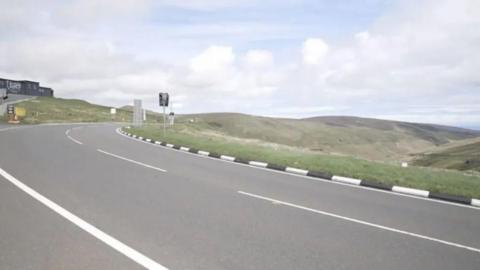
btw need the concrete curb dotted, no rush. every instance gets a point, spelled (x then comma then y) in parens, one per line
(322, 175)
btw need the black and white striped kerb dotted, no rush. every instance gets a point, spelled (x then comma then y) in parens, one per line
(322, 175)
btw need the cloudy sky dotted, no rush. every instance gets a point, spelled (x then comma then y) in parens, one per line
(405, 60)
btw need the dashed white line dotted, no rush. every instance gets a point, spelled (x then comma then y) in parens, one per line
(278, 202)
(71, 138)
(131, 160)
(87, 227)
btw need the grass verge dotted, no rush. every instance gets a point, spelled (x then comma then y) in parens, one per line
(451, 182)
(56, 110)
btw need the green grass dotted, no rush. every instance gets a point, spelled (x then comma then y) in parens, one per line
(370, 139)
(192, 136)
(464, 157)
(54, 110)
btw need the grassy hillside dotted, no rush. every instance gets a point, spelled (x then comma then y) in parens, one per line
(360, 137)
(47, 109)
(463, 157)
(192, 135)
(371, 139)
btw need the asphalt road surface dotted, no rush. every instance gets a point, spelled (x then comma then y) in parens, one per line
(86, 197)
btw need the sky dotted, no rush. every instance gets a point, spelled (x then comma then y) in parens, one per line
(416, 61)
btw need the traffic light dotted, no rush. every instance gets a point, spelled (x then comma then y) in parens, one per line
(163, 99)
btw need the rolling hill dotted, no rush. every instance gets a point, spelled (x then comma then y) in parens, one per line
(48, 109)
(361, 137)
(371, 139)
(462, 157)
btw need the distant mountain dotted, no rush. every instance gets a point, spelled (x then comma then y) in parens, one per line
(363, 137)
(437, 134)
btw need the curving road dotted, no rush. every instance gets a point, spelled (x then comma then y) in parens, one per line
(87, 197)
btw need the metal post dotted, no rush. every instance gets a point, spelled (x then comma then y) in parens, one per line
(164, 122)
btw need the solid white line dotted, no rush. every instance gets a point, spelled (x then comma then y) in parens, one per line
(411, 191)
(347, 180)
(71, 138)
(261, 166)
(360, 221)
(87, 227)
(130, 160)
(296, 171)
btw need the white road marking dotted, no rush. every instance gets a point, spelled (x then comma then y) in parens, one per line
(87, 227)
(71, 138)
(359, 221)
(132, 161)
(261, 166)
(411, 191)
(347, 180)
(296, 171)
(229, 158)
(258, 164)
(203, 153)
(476, 202)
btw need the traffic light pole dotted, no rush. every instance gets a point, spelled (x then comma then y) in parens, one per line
(164, 122)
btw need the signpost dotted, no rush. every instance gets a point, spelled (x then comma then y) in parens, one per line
(3, 96)
(20, 112)
(10, 109)
(163, 101)
(113, 112)
(12, 118)
(137, 112)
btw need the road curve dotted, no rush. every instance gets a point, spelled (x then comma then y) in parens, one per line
(166, 209)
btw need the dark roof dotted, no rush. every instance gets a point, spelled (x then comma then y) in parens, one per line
(28, 81)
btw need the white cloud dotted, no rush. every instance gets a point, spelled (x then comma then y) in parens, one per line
(259, 58)
(217, 70)
(213, 59)
(417, 55)
(314, 50)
